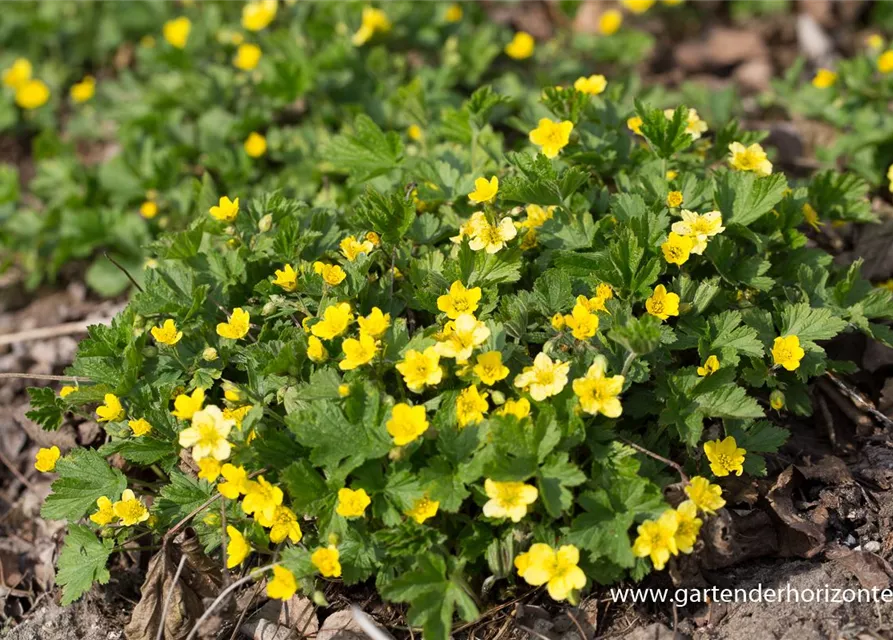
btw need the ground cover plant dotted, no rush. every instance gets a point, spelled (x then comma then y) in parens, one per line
(495, 344)
(153, 95)
(504, 338)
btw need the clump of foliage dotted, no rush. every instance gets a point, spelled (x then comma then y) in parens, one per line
(138, 101)
(465, 379)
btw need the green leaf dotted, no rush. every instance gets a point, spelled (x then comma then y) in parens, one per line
(810, 324)
(181, 497)
(433, 597)
(729, 401)
(84, 477)
(306, 487)
(389, 216)
(665, 135)
(744, 198)
(82, 562)
(726, 331)
(760, 437)
(46, 408)
(554, 479)
(366, 151)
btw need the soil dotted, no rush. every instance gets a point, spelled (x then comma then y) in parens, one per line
(823, 518)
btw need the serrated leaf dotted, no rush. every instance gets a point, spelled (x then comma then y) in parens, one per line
(84, 477)
(365, 151)
(744, 198)
(46, 408)
(82, 562)
(810, 324)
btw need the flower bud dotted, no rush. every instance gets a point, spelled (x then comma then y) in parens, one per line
(265, 224)
(150, 351)
(776, 400)
(209, 354)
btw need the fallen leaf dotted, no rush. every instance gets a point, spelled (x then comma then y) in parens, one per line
(871, 570)
(796, 535)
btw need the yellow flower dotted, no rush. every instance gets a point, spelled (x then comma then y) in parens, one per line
(705, 496)
(32, 94)
(415, 132)
(357, 352)
(374, 238)
(374, 21)
(508, 499)
(471, 226)
(140, 427)
(237, 548)
(489, 368)
(176, 31)
(464, 334)
(421, 369)
(332, 274)
(258, 14)
(105, 512)
(551, 136)
(657, 539)
(484, 190)
(283, 585)
(352, 504)
(236, 481)
(343, 390)
(787, 352)
(375, 324)
(111, 410)
(236, 327)
(544, 379)
(711, 365)
(634, 124)
(167, 333)
(694, 125)
(286, 278)
(677, 248)
(609, 22)
(149, 209)
(582, 322)
(283, 525)
(423, 509)
(537, 216)
(885, 61)
(315, 350)
(519, 408)
(84, 90)
(671, 174)
(65, 391)
(186, 406)
(407, 423)
(130, 510)
(45, 460)
(874, 41)
(699, 227)
(208, 469)
(208, 434)
(237, 414)
(688, 526)
(637, 6)
(662, 304)
(471, 405)
(674, 199)
(593, 85)
(493, 237)
(17, 74)
(334, 321)
(351, 248)
(558, 322)
(752, 158)
(326, 561)
(459, 300)
(226, 209)
(255, 144)
(521, 47)
(453, 12)
(824, 78)
(558, 570)
(261, 499)
(725, 457)
(598, 393)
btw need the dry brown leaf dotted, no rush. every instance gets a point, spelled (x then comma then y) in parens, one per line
(184, 609)
(870, 569)
(796, 535)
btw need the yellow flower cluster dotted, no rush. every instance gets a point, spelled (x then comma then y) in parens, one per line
(556, 568)
(690, 235)
(127, 511)
(30, 93)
